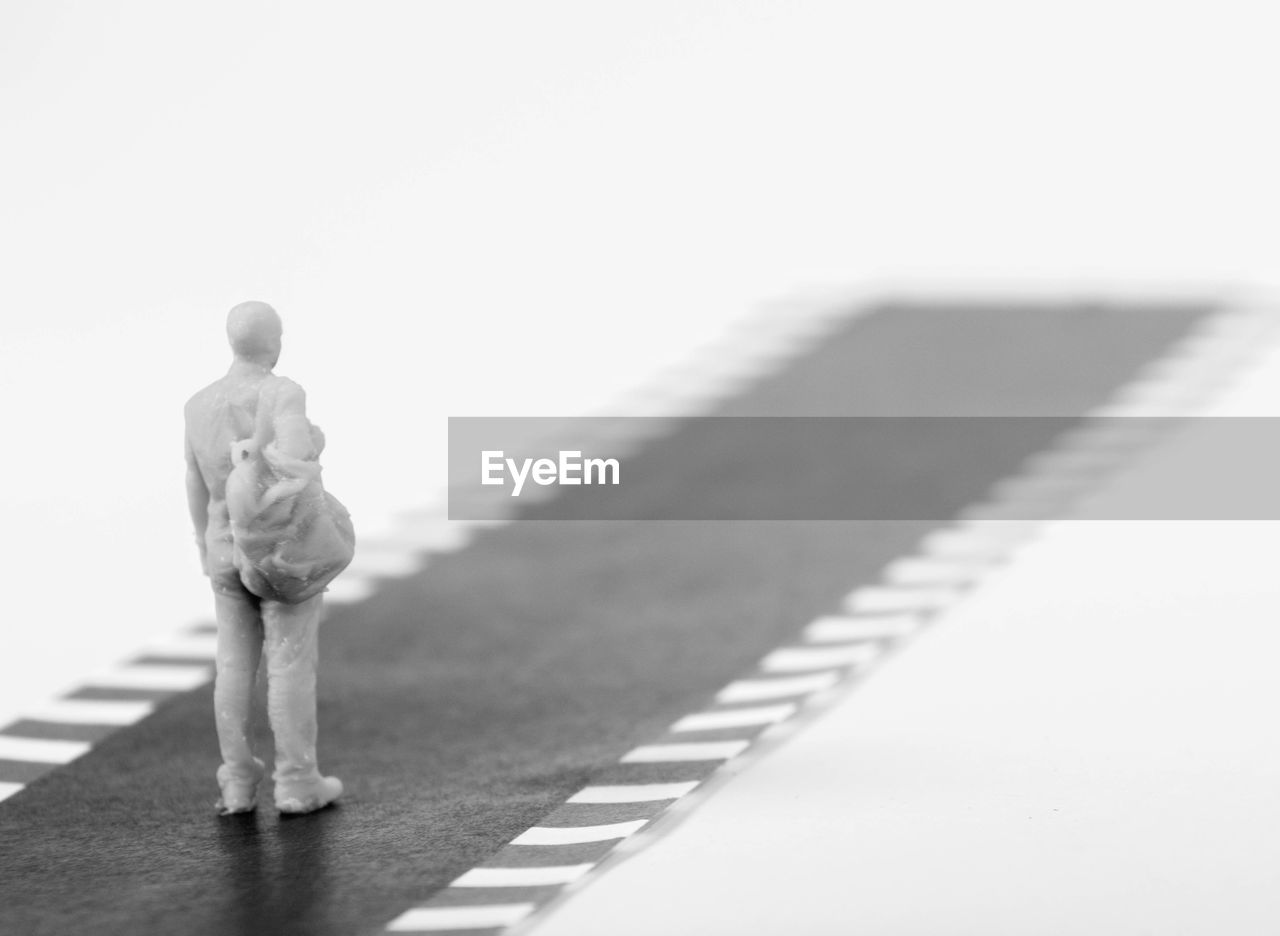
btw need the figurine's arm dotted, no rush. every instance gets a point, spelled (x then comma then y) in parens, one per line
(198, 503)
(292, 428)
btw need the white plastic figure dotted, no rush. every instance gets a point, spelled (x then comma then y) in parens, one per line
(270, 540)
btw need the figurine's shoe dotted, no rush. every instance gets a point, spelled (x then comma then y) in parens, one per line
(304, 796)
(239, 793)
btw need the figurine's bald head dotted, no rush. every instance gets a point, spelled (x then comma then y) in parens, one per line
(254, 329)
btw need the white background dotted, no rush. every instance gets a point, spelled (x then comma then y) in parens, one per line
(507, 208)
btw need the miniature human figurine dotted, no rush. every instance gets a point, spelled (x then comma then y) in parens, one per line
(267, 534)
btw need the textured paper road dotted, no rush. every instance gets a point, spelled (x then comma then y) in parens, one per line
(463, 704)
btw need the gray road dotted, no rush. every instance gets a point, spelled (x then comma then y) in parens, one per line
(464, 703)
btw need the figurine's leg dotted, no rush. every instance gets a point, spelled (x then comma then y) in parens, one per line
(239, 651)
(291, 637)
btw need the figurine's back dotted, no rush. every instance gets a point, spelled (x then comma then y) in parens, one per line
(257, 616)
(216, 416)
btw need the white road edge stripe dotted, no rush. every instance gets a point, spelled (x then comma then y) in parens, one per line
(735, 718)
(578, 835)
(192, 646)
(837, 628)
(915, 571)
(881, 598)
(1069, 462)
(384, 561)
(8, 789)
(756, 690)
(688, 751)
(971, 542)
(433, 919)
(91, 712)
(154, 676)
(41, 750)
(349, 589)
(802, 659)
(522, 877)
(632, 793)
(433, 534)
